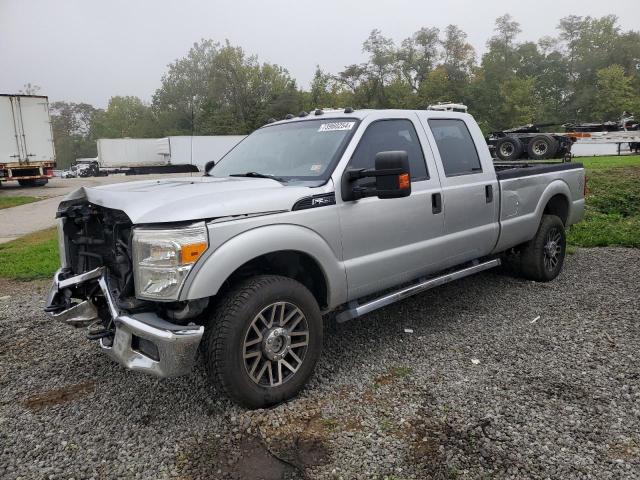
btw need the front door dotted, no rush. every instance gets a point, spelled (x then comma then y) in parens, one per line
(388, 241)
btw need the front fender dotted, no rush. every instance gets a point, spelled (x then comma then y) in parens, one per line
(209, 275)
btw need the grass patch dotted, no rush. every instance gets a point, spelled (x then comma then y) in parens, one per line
(613, 204)
(30, 257)
(603, 163)
(8, 202)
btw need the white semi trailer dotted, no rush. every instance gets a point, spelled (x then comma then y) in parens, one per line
(177, 154)
(27, 153)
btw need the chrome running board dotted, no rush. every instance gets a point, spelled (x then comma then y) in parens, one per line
(356, 309)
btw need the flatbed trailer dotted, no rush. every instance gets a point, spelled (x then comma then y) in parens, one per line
(529, 142)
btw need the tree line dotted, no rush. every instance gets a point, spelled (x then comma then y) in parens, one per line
(590, 71)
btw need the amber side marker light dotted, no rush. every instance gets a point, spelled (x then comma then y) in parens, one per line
(403, 181)
(190, 253)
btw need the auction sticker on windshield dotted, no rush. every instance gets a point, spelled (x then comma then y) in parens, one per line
(335, 126)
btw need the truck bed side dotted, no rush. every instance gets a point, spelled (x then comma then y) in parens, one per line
(529, 191)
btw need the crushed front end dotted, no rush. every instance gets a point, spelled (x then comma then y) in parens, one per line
(94, 288)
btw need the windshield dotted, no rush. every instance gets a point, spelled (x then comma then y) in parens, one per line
(302, 150)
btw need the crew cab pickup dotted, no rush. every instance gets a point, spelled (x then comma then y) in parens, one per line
(321, 216)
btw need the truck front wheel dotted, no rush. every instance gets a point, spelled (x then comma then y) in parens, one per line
(264, 340)
(542, 257)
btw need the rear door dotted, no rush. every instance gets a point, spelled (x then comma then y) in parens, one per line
(36, 128)
(388, 241)
(10, 141)
(470, 197)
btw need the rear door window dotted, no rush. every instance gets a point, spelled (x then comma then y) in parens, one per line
(457, 150)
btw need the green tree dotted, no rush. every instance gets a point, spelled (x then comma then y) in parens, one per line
(435, 88)
(418, 55)
(72, 125)
(185, 89)
(502, 49)
(520, 103)
(126, 117)
(320, 94)
(614, 94)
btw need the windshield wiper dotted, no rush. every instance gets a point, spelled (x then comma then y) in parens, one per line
(258, 175)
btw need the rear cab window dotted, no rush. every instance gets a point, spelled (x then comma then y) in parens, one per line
(457, 150)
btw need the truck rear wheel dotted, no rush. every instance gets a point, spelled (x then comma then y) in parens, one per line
(509, 148)
(34, 182)
(542, 257)
(542, 147)
(264, 340)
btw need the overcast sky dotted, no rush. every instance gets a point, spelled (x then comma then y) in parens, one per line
(88, 51)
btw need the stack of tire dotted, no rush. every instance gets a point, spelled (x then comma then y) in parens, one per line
(539, 147)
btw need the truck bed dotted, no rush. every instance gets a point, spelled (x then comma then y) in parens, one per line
(518, 170)
(525, 193)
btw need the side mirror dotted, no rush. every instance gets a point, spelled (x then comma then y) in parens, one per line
(392, 178)
(208, 166)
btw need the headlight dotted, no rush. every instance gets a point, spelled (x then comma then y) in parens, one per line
(162, 258)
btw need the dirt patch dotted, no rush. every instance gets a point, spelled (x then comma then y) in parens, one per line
(258, 463)
(392, 375)
(435, 440)
(244, 459)
(302, 440)
(627, 449)
(58, 396)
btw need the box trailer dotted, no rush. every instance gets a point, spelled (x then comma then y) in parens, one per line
(135, 156)
(27, 153)
(197, 150)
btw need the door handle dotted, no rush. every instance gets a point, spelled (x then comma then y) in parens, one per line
(488, 193)
(436, 203)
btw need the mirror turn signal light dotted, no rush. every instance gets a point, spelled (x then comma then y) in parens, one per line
(404, 181)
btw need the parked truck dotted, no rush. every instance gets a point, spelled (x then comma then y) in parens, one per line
(529, 142)
(333, 214)
(136, 156)
(27, 153)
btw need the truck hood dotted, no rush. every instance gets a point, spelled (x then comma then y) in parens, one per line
(193, 198)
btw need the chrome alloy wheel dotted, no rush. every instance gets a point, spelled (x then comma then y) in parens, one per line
(540, 147)
(275, 344)
(552, 249)
(507, 149)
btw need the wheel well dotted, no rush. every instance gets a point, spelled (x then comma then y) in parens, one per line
(558, 205)
(288, 263)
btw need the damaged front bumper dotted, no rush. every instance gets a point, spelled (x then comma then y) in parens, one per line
(142, 341)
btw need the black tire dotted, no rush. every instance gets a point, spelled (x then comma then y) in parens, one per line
(509, 148)
(542, 257)
(33, 182)
(230, 331)
(542, 147)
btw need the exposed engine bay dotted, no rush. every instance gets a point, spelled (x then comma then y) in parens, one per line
(100, 237)
(96, 237)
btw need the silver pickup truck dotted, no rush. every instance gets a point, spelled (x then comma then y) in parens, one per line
(328, 214)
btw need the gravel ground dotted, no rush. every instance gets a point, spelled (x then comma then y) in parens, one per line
(501, 378)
